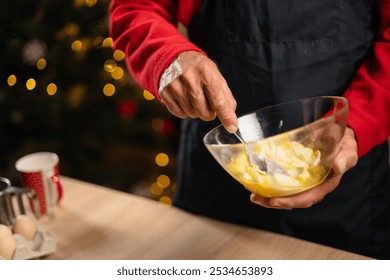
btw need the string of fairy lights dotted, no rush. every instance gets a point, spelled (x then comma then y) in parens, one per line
(34, 53)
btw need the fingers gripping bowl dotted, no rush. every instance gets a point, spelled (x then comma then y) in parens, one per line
(302, 137)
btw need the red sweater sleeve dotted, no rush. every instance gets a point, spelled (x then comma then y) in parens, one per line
(147, 32)
(369, 92)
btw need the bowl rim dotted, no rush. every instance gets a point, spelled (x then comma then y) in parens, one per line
(291, 131)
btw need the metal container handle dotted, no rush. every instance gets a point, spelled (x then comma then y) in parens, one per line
(7, 207)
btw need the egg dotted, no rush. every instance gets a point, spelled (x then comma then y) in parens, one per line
(5, 230)
(7, 246)
(25, 226)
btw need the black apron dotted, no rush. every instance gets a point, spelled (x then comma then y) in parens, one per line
(272, 51)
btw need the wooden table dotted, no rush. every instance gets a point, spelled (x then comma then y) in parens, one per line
(95, 222)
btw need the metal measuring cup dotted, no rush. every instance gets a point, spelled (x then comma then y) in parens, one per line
(11, 199)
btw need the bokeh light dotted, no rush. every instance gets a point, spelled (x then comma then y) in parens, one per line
(163, 181)
(156, 190)
(51, 89)
(163, 126)
(117, 73)
(77, 46)
(118, 55)
(76, 95)
(109, 89)
(97, 42)
(148, 96)
(31, 84)
(11, 80)
(165, 200)
(108, 42)
(157, 124)
(162, 159)
(109, 65)
(71, 29)
(41, 64)
(90, 3)
(126, 108)
(33, 50)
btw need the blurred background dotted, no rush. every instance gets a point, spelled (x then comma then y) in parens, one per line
(64, 89)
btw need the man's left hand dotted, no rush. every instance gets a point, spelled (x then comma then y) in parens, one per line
(344, 160)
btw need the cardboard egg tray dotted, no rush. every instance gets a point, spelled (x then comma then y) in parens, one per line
(23, 201)
(42, 244)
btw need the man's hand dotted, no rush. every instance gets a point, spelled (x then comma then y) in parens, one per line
(345, 159)
(200, 92)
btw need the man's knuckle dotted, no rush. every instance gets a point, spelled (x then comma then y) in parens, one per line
(219, 103)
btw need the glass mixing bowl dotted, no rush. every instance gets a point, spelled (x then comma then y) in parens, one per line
(301, 136)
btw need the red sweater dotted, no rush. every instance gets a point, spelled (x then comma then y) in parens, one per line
(146, 31)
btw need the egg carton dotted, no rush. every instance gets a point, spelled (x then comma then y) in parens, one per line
(42, 244)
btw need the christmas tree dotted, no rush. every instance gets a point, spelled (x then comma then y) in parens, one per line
(64, 89)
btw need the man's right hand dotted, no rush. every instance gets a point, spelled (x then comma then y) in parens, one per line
(200, 92)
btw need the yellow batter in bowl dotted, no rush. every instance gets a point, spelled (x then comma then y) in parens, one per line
(302, 164)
